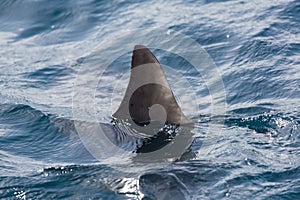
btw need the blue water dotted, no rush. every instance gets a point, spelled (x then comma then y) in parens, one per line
(254, 152)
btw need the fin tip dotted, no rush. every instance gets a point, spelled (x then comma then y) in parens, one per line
(139, 46)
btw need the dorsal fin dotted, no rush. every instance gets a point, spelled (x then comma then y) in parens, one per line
(148, 86)
(141, 56)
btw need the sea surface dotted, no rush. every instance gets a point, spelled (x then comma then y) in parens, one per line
(246, 110)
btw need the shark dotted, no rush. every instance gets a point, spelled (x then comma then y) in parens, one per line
(148, 86)
(149, 123)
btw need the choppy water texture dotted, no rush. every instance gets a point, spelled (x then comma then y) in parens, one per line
(255, 46)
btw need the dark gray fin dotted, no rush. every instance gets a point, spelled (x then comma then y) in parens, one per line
(148, 86)
(141, 55)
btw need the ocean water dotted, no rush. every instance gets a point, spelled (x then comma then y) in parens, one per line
(247, 114)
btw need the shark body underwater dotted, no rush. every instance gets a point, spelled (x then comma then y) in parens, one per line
(149, 122)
